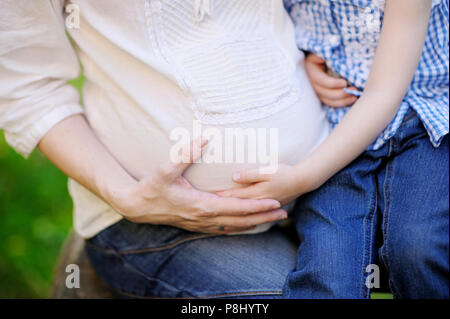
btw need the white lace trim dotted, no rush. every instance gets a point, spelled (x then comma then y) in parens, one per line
(249, 114)
(227, 63)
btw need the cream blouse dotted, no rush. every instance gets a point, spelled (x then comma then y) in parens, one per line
(152, 66)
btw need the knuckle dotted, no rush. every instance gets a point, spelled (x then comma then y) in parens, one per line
(213, 213)
(197, 215)
(204, 211)
(203, 214)
(329, 82)
(189, 217)
(197, 208)
(339, 95)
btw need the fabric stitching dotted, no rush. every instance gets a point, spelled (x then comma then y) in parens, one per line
(387, 193)
(149, 249)
(370, 216)
(242, 293)
(150, 278)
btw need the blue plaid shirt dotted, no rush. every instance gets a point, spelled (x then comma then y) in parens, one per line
(345, 33)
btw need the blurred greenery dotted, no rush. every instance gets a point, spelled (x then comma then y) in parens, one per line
(381, 295)
(35, 218)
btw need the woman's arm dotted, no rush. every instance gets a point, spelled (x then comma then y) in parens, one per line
(399, 50)
(164, 197)
(38, 106)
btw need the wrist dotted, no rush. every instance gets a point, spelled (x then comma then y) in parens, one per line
(306, 179)
(118, 190)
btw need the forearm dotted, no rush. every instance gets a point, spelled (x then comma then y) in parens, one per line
(404, 30)
(74, 148)
(359, 128)
(163, 197)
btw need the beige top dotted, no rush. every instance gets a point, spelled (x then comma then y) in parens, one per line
(152, 67)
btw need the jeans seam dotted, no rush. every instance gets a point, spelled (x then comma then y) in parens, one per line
(387, 199)
(408, 117)
(100, 249)
(150, 249)
(242, 293)
(144, 275)
(365, 291)
(150, 278)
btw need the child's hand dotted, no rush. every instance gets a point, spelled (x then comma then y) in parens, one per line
(328, 88)
(285, 185)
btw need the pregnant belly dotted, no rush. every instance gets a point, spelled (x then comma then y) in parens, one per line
(140, 143)
(285, 137)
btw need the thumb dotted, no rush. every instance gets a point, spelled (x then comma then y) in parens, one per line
(188, 154)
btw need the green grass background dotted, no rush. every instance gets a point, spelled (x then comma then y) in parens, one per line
(35, 218)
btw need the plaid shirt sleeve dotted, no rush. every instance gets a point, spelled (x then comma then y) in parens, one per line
(345, 33)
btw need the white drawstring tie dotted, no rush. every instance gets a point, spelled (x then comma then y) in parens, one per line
(202, 8)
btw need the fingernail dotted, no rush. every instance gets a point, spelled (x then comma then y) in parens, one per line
(283, 215)
(276, 205)
(237, 176)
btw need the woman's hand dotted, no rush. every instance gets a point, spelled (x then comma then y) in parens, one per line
(166, 197)
(329, 89)
(285, 185)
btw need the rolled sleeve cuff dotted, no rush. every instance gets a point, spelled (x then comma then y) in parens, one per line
(25, 142)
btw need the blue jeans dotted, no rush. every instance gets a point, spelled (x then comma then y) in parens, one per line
(142, 260)
(390, 207)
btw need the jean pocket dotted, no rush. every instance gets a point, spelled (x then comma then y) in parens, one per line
(126, 237)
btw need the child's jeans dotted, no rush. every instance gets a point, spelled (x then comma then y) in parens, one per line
(390, 207)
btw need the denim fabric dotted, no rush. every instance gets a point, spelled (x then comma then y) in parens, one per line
(141, 260)
(389, 207)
